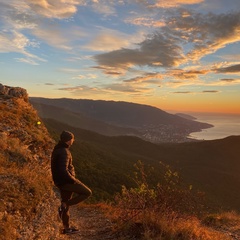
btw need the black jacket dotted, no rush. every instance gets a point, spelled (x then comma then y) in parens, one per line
(61, 165)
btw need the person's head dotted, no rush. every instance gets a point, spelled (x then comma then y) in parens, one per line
(67, 137)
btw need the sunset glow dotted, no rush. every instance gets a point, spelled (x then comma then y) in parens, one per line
(175, 55)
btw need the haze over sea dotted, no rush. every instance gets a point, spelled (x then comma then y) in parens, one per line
(224, 125)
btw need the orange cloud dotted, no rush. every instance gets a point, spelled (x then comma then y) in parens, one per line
(53, 8)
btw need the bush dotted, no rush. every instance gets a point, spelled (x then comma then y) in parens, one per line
(161, 212)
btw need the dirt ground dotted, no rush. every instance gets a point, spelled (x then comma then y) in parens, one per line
(92, 223)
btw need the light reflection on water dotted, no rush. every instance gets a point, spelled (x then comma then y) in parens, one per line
(224, 126)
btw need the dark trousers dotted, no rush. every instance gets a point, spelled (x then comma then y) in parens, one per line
(72, 194)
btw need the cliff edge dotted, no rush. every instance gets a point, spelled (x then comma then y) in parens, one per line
(28, 203)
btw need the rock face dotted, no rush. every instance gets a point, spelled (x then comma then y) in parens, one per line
(13, 92)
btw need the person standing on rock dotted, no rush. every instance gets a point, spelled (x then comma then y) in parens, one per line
(63, 175)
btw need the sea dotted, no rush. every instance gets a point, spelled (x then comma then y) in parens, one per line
(224, 125)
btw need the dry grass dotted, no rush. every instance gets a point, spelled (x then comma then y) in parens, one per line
(25, 179)
(172, 226)
(153, 214)
(225, 221)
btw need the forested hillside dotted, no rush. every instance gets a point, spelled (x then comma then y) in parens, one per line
(108, 162)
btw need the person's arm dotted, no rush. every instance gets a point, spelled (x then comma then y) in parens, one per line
(63, 167)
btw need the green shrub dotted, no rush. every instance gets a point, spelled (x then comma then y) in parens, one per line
(162, 212)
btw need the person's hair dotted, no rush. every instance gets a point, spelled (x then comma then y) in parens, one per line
(66, 136)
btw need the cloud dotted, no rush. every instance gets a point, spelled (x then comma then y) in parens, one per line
(165, 3)
(16, 15)
(12, 41)
(26, 13)
(54, 8)
(231, 57)
(187, 74)
(87, 76)
(173, 3)
(203, 33)
(74, 71)
(210, 91)
(125, 88)
(206, 32)
(200, 83)
(69, 70)
(27, 60)
(183, 92)
(109, 40)
(147, 77)
(111, 88)
(23, 22)
(104, 90)
(30, 24)
(230, 69)
(113, 71)
(157, 50)
(52, 36)
(51, 33)
(189, 92)
(71, 88)
(85, 91)
(220, 5)
(230, 80)
(144, 21)
(104, 7)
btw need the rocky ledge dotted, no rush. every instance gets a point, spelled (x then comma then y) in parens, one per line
(17, 92)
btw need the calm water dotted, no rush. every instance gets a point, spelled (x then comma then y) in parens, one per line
(224, 125)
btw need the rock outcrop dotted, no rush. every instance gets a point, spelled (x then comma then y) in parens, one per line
(17, 92)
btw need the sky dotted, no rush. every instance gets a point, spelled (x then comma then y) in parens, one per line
(177, 55)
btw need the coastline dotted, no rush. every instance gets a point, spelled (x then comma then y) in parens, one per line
(224, 125)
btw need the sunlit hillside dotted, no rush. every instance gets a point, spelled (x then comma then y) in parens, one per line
(28, 203)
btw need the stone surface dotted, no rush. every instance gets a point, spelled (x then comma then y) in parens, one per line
(13, 92)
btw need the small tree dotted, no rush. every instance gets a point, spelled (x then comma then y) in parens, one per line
(156, 209)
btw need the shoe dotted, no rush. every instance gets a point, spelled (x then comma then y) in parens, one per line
(71, 230)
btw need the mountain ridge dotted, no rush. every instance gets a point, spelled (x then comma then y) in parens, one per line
(147, 122)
